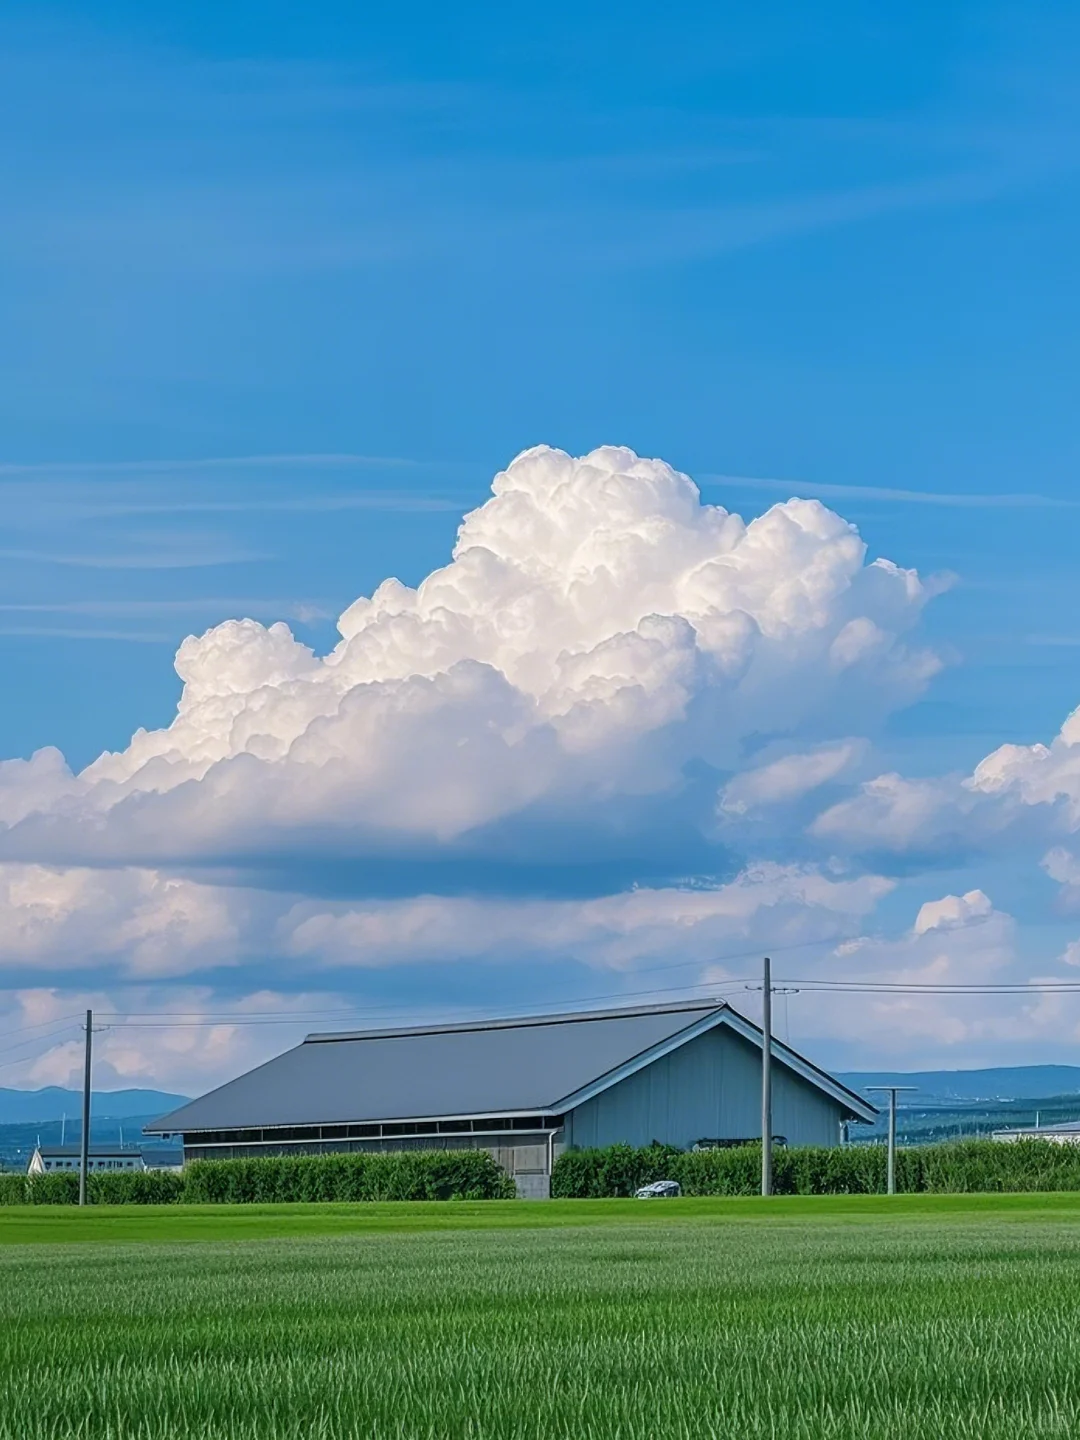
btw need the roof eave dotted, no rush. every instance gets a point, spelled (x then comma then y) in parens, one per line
(541, 1111)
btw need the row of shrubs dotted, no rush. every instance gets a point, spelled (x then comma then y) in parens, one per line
(413, 1175)
(966, 1165)
(952, 1168)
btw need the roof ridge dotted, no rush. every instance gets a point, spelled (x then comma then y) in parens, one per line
(515, 1022)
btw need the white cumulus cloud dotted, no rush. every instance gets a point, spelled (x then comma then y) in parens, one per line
(953, 912)
(790, 777)
(140, 921)
(1016, 794)
(597, 630)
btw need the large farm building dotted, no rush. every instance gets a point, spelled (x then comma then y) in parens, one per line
(522, 1088)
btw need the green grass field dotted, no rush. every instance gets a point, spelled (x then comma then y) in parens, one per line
(929, 1316)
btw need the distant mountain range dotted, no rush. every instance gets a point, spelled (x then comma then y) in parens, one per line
(1007, 1082)
(18, 1107)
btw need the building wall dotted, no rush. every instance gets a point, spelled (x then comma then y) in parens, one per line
(707, 1088)
(499, 1145)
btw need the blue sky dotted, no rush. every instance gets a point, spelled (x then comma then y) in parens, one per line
(282, 287)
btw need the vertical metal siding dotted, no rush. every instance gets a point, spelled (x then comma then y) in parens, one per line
(801, 1112)
(711, 1087)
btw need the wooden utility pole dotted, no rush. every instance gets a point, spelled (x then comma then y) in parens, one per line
(766, 1079)
(84, 1146)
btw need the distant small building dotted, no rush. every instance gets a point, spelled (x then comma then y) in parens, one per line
(53, 1159)
(1067, 1133)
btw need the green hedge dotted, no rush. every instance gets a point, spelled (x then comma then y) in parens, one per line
(966, 1165)
(403, 1175)
(12, 1189)
(137, 1187)
(122, 1187)
(56, 1189)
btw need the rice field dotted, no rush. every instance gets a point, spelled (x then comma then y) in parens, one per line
(807, 1319)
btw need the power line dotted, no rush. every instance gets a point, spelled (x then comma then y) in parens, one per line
(165, 1020)
(43, 1025)
(30, 1042)
(276, 1016)
(915, 987)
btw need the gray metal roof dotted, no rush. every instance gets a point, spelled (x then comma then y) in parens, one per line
(521, 1066)
(97, 1152)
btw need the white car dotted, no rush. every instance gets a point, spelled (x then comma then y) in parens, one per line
(659, 1190)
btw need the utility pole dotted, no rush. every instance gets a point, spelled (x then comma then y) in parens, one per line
(768, 990)
(891, 1091)
(766, 1079)
(84, 1156)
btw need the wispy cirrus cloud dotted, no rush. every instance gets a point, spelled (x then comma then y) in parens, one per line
(1020, 500)
(279, 609)
(184, 554)
(17, 619)
(185, 465)
(71, 632)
